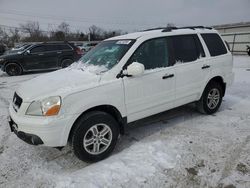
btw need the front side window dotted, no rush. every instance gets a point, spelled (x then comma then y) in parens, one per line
(37, 49)
(152, 54)
(107, 54)
(187, 48)
(214, 44)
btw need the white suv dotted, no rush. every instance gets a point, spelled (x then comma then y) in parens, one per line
(123, 79)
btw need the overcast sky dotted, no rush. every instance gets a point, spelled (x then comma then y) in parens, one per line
(128, 15)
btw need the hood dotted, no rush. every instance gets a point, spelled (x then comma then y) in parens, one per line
(10, 55)
(58, 83)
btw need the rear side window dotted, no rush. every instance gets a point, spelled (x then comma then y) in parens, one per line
(52, 47)
(214, 44)
(152, 54)
(186, 48)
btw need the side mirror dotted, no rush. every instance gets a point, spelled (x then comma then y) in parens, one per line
(27, 52)
(135, 69)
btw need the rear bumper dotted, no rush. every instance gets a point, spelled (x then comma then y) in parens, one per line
(229, 79)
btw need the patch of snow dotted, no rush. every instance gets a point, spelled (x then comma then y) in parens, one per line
(96, 69)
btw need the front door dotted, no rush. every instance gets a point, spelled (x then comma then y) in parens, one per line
(35, 58)
(154, 91)
(40, 58)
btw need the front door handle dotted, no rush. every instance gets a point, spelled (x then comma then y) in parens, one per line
(205, 67)
(40, 54)
(168, 76)
(59, 52)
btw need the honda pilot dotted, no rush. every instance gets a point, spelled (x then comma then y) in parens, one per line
(122, 80)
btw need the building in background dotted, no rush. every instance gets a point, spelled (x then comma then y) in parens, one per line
(237, 35)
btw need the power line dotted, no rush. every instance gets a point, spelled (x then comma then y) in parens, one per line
(73, 19)
(43, 23)
(14, 27)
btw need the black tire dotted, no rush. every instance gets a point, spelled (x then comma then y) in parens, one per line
(82, 131)
(66, 62)
(204, 105)
(13, 69)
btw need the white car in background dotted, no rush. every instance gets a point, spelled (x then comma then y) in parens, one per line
(123, 79)
(88, 46)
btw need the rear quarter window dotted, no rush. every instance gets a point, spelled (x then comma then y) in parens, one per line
(65, 47)
(214, 44)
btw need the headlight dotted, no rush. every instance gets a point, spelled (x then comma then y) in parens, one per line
(47, 107)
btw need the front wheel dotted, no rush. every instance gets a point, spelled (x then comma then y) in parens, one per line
(13, 69)
(95, 136)
(211, 98)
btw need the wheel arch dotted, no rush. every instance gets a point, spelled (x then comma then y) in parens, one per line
(220, 80)
(113, 111)
(65, 58)
(8, 62)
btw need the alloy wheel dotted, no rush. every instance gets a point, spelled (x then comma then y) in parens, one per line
(213, 98)
(97, 139)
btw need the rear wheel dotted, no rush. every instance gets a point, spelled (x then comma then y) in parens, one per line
(66, 63)
(211, 98)
(13, 69)
(95, 136)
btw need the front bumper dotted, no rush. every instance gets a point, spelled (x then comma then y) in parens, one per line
(28, 138)
(47, 131)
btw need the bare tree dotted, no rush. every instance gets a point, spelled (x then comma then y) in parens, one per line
(14, 36)
(64, 27)
(33, 29)
(95, 32)
(3, 36)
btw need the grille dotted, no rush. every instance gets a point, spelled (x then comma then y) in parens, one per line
(17, 101)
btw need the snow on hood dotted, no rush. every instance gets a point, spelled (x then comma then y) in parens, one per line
(77, 76)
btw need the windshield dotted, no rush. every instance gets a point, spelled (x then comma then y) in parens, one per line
(107, 54)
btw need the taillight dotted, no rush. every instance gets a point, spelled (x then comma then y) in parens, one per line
(79, 51)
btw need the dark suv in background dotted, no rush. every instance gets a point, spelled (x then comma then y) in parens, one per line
(38, 57)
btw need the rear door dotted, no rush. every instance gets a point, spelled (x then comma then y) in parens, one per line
(190, 66)
(220, 58)
(66, 52)
(52, 52)
(154, 91)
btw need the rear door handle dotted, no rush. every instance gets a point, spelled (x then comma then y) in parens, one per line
(166, 76)
(205, 67)
(59, 52)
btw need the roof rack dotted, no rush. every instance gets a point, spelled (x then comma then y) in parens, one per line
(168, 29)
(156, 28)
(195, 27)
(59, 42)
